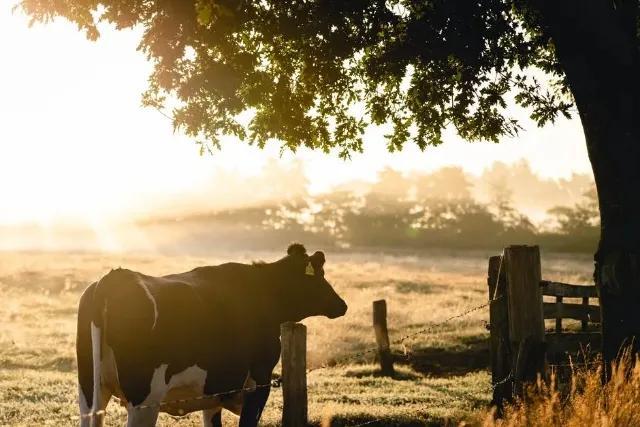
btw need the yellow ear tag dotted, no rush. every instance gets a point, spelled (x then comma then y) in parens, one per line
(309, 270)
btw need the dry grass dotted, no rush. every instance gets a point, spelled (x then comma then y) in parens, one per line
(442, 377)
(586, 402)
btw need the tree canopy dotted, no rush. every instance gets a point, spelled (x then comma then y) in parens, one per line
(317, 73)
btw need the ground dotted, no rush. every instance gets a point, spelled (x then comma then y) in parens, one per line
(442, 374)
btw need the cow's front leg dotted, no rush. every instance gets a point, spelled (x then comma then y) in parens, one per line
(254, 402)
(212, 418)
(260, 370)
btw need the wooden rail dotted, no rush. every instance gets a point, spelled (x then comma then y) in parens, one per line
(588, 313)
(566, 290)
(573, 342)
(561, 310)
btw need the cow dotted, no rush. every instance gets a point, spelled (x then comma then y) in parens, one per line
(202, 340)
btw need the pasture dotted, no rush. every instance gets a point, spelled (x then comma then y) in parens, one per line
(442, 376)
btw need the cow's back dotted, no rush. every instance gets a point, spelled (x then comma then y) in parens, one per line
(151, 322)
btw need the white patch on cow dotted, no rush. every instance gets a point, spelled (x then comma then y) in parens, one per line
(189, 385)
(142, 418)
(193, 378)
(108, 367)
(153, 301)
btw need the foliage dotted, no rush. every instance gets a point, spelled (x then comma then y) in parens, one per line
(383, 221)
(577, 227)
(440, 209)
(316, 73)
(345, 220)
(582, 218)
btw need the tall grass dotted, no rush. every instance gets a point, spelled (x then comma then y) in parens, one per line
(585, 401)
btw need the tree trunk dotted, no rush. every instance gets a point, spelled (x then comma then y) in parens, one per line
(596, 45)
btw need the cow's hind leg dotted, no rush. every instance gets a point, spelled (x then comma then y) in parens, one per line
(212, 418)
(142, 416)
(89, 418)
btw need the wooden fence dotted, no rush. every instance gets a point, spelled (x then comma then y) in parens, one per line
(294, 364)
(520, 345)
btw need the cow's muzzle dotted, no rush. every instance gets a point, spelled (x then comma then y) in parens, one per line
(338, 310)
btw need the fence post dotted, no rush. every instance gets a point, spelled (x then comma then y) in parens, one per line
(585, 323)
(382, 337)
(294, 374)
(499, 332)
(526, 320)
(559, 314)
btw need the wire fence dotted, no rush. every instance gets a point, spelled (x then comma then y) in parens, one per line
(401, 341)
(276, 382)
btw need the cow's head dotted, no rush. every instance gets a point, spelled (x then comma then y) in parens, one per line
(307, 291)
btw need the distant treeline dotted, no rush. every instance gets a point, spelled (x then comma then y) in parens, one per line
(392, 214)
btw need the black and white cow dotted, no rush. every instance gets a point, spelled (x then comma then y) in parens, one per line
(153, 340)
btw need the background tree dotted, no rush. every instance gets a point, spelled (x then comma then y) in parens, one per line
(450, 183)
(316, 73)
(581, 219)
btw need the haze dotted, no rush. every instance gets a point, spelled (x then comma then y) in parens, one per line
(76, 147)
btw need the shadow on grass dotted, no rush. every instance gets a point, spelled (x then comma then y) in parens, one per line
(341, 421)
(376, 373)
(408, 287)
(405, 286)
(471, 356)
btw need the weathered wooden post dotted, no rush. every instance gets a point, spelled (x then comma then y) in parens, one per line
(499, 343)
(585, 322)
(382, 337)
(526, 320)
(294, 374)
(559, 314)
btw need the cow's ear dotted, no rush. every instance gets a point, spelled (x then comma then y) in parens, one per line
(296, 249)
(317, 260)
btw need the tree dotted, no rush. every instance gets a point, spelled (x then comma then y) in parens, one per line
(315, 73)
(450, 183)
(580, 219)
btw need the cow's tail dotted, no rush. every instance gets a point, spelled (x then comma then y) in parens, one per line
(98, 328)
(88, 351)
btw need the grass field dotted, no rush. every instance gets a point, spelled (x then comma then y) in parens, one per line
(442, 375)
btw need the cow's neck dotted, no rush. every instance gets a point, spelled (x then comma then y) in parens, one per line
(283, 304)
(270, 299)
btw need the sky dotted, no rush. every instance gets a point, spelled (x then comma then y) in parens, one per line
(76, 145)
